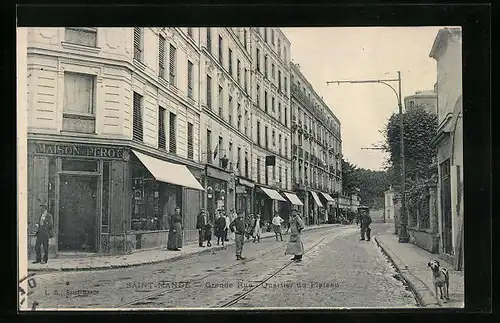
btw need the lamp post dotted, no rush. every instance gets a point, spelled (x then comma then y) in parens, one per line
(403, 234)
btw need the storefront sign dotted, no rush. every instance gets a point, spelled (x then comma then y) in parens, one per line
(75, 150)
(218, 174)
(240, 189)
(246, 183)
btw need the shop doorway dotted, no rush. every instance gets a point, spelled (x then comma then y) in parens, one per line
(78, 213)
(447, 234)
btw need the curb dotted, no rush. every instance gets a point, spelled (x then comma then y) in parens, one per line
(179, 257)
(422, 293)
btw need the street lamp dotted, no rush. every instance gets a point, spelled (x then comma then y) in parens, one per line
(403, 234)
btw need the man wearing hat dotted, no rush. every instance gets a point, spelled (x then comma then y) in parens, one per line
(238, 227)
(295, 246)
(44, 231)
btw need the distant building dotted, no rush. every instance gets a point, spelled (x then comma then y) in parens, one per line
(426, 99)
(389, 204)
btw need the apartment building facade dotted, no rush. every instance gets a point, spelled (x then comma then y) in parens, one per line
(316, 150)
(111, 113)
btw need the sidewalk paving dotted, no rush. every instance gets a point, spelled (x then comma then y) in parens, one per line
(138, 258)
(411, 263)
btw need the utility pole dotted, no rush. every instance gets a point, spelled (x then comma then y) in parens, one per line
(403, 234)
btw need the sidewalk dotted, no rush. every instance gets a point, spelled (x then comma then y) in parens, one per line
(138, 258)
(411, 263)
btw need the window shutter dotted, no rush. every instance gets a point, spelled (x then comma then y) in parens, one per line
(190, 148)
(137, 131)
(161, 56)
(172, 134)
(209, 92)
(172, 64)
(190, 79)
(161, 128)
(209, 146)
(138, 43)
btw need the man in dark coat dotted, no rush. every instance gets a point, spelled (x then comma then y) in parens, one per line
(295, 245)
(44, 231)
(238, 227)
(219, 228)
(365, 226)
(201, 222)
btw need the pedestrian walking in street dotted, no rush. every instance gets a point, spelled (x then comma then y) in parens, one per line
(44, 231)
(277, 221)
(220, 228)
(366, 220)
(238, 227)
(295, 246)
(256, 228)
(174, 241)
(232, 217)
(249, 226)
(201, 222)
(207, 231)
(226, 228)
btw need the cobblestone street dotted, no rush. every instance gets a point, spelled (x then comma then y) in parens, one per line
(337, 270)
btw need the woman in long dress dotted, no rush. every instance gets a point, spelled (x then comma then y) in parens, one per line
(219, 228)
(295, 246)
(174, 241)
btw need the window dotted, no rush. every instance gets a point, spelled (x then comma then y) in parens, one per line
(266, 138)
(238, 71)
(245, 36)
(273, 72)
(190, 146)
(137, 131)
(279, 81)
(172, 64)
(81, 36)
(280, 170)
(274, 173)
(230, 57)
(209, 92)
(209, 146)
(209, 40)
(286, 117)
(79, 103)
(279, 145)
(258, 170)
(265, 35)
(258, 96)
(240, 166)
(265, 101)
(245, 122)
(190, 79)
(272, 105)
(272, 37)
(279, 111)
(190, 32)
(258, 133)
(220, 102)
(279, 48)
(285, 85)
(246, 80)
(239, 117)
(161, 56)
(265, 67)
(274, 139)
(257, 58)
(246, 164)
(161, 128)
(286, 178)
(220, 153)
(172, 134)
(220, 51)
(286, 148)
(138, 44)
(230, 110)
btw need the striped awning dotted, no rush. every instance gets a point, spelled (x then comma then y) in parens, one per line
(316, 199)
(293, 198)
(273, 195)
(327, 197)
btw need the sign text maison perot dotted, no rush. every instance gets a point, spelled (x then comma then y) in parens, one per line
(75, 150)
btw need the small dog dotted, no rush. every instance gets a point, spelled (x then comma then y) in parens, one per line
(441, 279)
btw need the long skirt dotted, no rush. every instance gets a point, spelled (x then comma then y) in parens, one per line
(207, 233)
(174, 238)
(295, 246)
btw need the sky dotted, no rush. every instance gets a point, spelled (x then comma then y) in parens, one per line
(361, 53)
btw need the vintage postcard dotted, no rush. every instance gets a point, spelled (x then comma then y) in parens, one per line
(175, 168)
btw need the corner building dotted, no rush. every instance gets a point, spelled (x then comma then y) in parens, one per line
(316, 151)
(113, 135)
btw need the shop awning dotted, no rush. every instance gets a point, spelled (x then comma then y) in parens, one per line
(293, 198)
(168, 172)
(274, 195)
(327, 197)
(316, 199)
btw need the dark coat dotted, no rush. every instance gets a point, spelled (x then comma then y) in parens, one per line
(237, 226)
(175, 232)
(201, 221)
(47, 226)
(365, 221)
(220, 225)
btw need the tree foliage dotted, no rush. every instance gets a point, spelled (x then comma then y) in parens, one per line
(419, 128)
(372, 184)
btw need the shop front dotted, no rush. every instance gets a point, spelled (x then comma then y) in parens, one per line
(294, 203)
(315, 209)
(267, 203)
(99, 194)
(244, 196)
(216, 182)
(328, 210)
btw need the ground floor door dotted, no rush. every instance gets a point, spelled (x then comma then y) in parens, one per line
(446, 229)
(78, 213)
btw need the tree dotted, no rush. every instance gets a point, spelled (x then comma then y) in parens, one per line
(349, 177)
